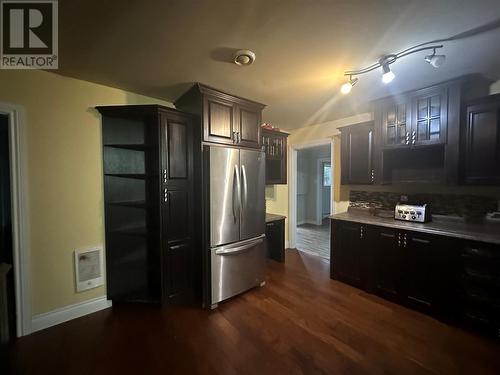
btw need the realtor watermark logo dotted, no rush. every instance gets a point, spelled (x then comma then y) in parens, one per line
(29, 34)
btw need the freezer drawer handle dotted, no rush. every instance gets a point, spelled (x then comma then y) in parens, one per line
(239, 249)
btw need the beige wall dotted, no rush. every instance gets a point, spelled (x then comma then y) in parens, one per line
(277, 195)
(64, 174)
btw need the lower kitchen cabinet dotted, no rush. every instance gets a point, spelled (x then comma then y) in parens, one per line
(411, 268)
(428, 272)
(387, 258)
(348, 252)
(407, 268)
(275, 239)
(477, 302)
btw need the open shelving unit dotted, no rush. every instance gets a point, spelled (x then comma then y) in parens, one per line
(128, 182)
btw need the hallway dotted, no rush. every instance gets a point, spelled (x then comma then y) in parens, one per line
(314, 239)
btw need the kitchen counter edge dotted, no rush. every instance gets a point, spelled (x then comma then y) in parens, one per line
(489, 233)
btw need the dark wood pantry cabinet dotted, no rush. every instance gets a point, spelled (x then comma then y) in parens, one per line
(357, 154)
(149, 199)
(226, 119)
(275, 147)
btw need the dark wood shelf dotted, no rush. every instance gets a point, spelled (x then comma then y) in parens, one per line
(139, 176)
(135, 204)
(275, 146)
(132, 231)
(138, 147)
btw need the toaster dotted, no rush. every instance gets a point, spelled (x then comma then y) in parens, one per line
(412, 212)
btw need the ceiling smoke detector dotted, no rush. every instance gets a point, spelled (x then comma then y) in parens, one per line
(243, 57)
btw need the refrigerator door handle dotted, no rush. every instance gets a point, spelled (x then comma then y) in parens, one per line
(228, 250)
(245, 188)
(236, 194)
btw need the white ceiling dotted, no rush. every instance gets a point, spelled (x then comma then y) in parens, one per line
(159, 47)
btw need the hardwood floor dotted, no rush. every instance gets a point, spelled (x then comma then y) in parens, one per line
(314, 239)
(300, 322)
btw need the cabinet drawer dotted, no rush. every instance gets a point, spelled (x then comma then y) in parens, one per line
(481, 252)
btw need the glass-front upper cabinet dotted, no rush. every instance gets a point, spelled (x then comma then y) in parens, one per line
(429, 119)
(396, 124)
(414, 120)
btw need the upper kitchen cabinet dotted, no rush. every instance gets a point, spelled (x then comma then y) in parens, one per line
(481, 142)
(413, 119)
(226, 119)
(249, 120)
(429, 116)
(418, 133)
(357, 154)
(396, 123)
(275, 146)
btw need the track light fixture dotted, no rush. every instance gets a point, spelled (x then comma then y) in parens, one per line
(388, 76)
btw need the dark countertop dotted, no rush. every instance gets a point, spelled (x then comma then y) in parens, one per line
(274, 217)
(451, 227)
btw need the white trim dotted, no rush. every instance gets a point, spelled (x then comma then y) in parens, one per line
(70, 312)
(292, 189)
(306, 221)
(292, 196)
(333, 208)
(19, 209)
(287, 244)
(319, 189)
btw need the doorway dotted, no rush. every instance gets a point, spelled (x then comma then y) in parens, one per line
(7, 281)
(313, 200)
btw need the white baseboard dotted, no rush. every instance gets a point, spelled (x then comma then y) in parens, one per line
(67, 313)
(307, 221)
(287, 244)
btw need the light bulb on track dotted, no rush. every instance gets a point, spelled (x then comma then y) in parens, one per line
(388, 76)
(435, 60)
(347, 87)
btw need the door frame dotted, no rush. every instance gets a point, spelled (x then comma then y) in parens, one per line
(319, 190)
(292, 173)
(19, 209)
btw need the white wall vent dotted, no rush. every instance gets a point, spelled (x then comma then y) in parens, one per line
(88, 269)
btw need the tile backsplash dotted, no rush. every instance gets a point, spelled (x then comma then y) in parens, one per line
(464, 205)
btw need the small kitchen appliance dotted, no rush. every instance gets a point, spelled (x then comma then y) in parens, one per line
(412, 212)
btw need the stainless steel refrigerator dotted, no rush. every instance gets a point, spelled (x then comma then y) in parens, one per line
(237, 220)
